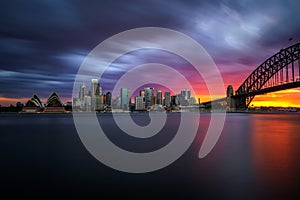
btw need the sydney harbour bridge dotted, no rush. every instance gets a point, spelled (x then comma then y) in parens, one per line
(279, 72)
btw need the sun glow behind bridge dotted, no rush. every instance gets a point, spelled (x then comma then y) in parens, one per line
(285, 98)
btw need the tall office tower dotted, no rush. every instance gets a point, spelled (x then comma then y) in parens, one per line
(95, 84)
(129, 96)
(192, 101)
(97, 91)
(89, 93)
(186, 94)
(139, 103)
(103, 98)
(98, 98)
(142, 93)
(158, 97)
(124, 99)
(167, 99)
(149, 93)
(87, 103)
(153, 100)
(99, 103)
(82, 92)
(175, 100)
(116, 103)
(108, 99)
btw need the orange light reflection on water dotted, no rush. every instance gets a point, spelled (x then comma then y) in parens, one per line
(276, 143)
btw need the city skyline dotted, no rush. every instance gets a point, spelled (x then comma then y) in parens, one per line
(41, 51)
(94, 99)
(142, 99)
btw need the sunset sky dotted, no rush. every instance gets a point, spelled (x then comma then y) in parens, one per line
(43, 43)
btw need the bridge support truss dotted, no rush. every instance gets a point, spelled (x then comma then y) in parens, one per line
(278, 72)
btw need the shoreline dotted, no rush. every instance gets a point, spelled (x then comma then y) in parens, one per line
(201, 112)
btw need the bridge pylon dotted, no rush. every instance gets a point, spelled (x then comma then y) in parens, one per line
(243, 102)
(230, 100)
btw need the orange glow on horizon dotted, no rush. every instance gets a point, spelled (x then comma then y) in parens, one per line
(285, 98)
(5, 101)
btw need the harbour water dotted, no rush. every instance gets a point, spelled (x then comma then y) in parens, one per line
(256, 156)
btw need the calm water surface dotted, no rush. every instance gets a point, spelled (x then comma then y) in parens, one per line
(257, 156)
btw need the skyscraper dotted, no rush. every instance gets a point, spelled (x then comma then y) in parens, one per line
(167, 99)
(192, 101)
(129, 96)
(95, 84)
(97, 91)
(159, 97)
(149, 93)
(186, 94)
(116, 102)
(153, 100)
(139, 103)
(142, 93)
(108, 99)
(175, 100)
(124, 99)
(99, 103)
(87, 103)
(82, 92)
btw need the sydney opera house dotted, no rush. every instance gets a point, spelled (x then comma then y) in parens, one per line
(53, 105)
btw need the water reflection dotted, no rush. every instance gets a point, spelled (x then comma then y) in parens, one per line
(275, 146)
(256, 157)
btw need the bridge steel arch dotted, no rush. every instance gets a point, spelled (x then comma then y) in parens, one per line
(260, 76)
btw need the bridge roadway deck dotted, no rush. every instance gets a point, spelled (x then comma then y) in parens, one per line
(272, 89)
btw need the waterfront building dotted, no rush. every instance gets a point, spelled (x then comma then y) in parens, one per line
(108, 99)
(153, 100)
(95, 90)
(159, 97)
(34, 102)
(33, 105)
(192, 101)
(174, 100)
(87, 103)
(82, 92)
(99, 104)
(116, 102)
(139, 103)
(95, 84)
(124, 98)
(142, 94)
(181, 100)
(149, 93)
(167, 99)
(77, 103)
(54, 104)
(186, 94)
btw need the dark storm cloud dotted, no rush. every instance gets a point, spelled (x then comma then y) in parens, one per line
(42, 43)
(246, 29)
